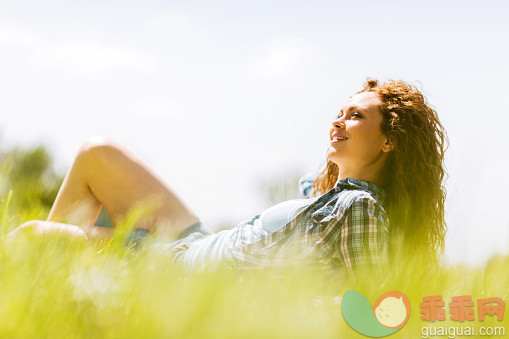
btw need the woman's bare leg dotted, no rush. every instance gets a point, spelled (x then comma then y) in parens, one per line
(106, 173)
(43, 228)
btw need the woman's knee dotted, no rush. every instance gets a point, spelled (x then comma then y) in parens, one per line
(39, 227)
(97, 153)
(31, 226)
(96, 145)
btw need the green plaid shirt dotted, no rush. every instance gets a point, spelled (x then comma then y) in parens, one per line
(346, 228)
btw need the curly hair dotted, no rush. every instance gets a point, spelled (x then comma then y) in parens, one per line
(413, 174)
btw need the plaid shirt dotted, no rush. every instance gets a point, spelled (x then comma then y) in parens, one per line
(347, 227)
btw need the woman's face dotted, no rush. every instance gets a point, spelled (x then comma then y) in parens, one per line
(357, 142)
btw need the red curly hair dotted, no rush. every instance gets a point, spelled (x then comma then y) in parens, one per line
(414, 173)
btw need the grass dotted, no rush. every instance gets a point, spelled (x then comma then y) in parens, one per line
(59, 287)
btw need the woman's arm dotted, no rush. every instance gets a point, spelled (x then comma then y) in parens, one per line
(305, 183)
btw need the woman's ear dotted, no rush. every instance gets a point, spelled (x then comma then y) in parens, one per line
(388, 145)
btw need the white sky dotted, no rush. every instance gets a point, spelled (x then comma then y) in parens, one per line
(218, 96)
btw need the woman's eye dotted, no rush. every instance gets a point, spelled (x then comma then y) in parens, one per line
(354, 114)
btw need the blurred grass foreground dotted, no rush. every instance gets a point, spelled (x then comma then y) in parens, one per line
(60, 287)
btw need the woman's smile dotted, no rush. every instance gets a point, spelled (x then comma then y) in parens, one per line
(338, 137)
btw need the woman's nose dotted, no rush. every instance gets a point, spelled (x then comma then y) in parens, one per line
(338, 123)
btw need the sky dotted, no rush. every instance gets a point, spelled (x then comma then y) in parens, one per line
(219, 97)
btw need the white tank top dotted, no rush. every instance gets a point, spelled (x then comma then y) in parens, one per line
(279, 215)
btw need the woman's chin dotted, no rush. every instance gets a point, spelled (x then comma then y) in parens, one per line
(334, 157)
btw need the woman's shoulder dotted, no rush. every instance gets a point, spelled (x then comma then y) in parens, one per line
(365, 208)
(349, 201)
(360, 201)
(352, 190)
(359, 192)
(356, 197)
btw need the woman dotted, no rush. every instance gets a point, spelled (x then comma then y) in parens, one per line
(384, 163)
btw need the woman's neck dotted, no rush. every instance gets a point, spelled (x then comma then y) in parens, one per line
(371, 172)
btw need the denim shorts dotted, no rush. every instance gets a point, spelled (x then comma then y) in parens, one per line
(196, 249)
(137, 235)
